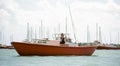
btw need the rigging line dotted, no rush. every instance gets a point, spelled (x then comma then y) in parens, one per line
(66, 25)
(72, 24)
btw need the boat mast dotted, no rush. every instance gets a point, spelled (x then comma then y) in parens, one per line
(59, 29)
(88, 34)
(3, 38)
(31, 33)
(41, 29)
(48, 33)
(110, 37)
(0, 37)
(27, 31)
(73, 25)
(118, 38)
(67, 35)
(66, 25)
(97, 31)
(100, 36)
(35, 33)
(11, 37)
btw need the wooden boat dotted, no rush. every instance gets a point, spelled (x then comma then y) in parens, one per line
(107, 48)
(28, 49)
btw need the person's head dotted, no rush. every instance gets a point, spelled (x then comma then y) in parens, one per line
(62, 34)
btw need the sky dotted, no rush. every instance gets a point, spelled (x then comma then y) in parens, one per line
(15, 14)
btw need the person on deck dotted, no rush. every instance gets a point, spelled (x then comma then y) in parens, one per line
(62, 39)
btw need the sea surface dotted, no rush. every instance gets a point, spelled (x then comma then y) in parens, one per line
(9, 57)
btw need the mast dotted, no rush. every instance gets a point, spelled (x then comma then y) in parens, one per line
(110, 37)
(100, 36)
(35, 33)
(3, 38)
(27, 31)
(59, 28)
(72, 24)
(11, 37)
(97, 31)
(39, 32)
(118, 38)
(48, 33)
(88, 34)
(0, 37)
(31, 33)
(66, 25)
(66, 28)
(41, 29)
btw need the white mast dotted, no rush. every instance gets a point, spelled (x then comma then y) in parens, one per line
(100, 36)
(59, 28)
(41, 29)
(35, 33)
(27, 31)
(11, 37)
(3, 38)
(0, 37)
(97, 31)
(48, 33)
(66, 25)
(88, 34)
(40, 32)
(31, 33)
(118, 38)
(110, 37)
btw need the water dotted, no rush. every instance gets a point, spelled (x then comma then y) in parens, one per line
(9, 57)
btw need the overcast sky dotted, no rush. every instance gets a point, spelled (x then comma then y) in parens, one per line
(15, 14)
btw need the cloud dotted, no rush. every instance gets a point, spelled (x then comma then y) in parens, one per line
(4, 19)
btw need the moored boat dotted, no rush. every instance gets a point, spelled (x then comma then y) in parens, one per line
(28, 49)
(101, 46)
(107, 48)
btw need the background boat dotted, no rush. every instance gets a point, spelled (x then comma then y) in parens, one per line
(107, 48)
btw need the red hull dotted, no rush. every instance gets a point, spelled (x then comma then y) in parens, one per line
(27, 49)
(107, 48)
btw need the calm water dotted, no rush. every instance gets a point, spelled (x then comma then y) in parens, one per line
(9, 57)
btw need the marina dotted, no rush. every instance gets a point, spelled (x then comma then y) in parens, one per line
(59, 33)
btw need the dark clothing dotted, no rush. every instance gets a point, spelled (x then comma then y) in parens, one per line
(62, 41)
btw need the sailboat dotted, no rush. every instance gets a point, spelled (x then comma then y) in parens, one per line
(101, 46)
(52, 48)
